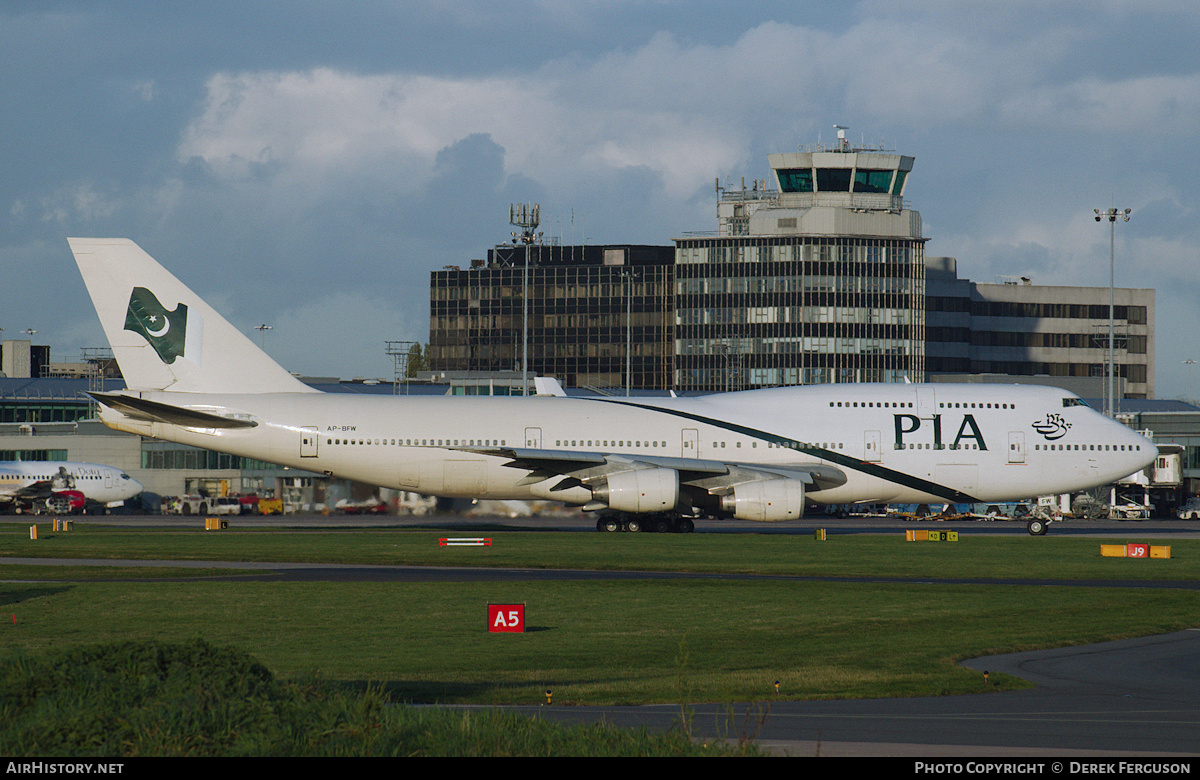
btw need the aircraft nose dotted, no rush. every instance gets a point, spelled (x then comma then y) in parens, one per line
(1144, 450)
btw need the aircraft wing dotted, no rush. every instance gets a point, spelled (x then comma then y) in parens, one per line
(34, 490)
(714, 476)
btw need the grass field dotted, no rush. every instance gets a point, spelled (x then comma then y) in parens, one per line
(874, 555)
(595, 642)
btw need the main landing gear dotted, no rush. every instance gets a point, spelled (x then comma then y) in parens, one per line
(611, 522)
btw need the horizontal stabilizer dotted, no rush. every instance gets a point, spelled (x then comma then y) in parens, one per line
(154, 411)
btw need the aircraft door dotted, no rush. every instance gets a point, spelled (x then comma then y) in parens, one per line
(926, 401)
(533, 438)
(1016, 447)
(308, 442)
(690, 443)
(872, 451)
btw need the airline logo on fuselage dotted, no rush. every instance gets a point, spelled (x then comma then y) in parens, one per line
(1055, 426)
(911, 429)
(165, 330)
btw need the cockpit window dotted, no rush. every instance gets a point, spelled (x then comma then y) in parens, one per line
(1073, 402)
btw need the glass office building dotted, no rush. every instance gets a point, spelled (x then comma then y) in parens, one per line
(1018, 328)
(804, 310)
(594, 312)
(816, 277)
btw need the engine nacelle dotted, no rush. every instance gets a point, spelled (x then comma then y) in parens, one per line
(640, 490)
(768, 501)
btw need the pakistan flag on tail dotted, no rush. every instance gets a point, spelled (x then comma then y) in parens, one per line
(165, 330)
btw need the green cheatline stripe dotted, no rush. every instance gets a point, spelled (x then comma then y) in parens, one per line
(873, 469)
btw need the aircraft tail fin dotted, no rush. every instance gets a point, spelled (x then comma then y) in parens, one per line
(163, 335)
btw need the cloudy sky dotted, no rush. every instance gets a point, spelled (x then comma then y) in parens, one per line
(306, 164)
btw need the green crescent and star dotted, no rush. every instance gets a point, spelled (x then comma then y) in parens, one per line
(165, 330)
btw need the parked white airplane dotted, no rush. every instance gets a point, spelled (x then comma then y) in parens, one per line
(58, 485)
(757, 455)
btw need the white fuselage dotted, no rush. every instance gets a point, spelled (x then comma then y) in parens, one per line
(103, 484)
(896, 443)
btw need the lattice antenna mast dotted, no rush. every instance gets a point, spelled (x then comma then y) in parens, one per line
(99, 359)
(526, 216)
(400, 352)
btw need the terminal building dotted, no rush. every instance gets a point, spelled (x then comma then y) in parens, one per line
(1018, 329)
(818, 275)
(21, 358)
(597, 317)
(815, 277)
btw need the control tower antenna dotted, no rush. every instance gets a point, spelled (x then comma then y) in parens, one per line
(843, 143)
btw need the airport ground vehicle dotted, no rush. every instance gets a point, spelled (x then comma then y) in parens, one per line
(1190, 510)
(371, 506)
(227, 505)
(191, 504)
(270, 506)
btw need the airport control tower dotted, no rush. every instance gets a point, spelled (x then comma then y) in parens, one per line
(815, 277)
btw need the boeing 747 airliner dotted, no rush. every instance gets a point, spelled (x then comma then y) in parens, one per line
(754, 455)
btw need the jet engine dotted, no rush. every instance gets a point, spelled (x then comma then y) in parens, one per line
(766, 501)
(640, 490)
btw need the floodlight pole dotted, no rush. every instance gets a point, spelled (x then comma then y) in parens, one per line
(526, 216)
(629, 275)
(1111, 215)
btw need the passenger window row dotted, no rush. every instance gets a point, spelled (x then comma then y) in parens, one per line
(420, 442)
(976, 406)
(606, 443)
(1089, 447)
(908, 405)
(873, 404)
